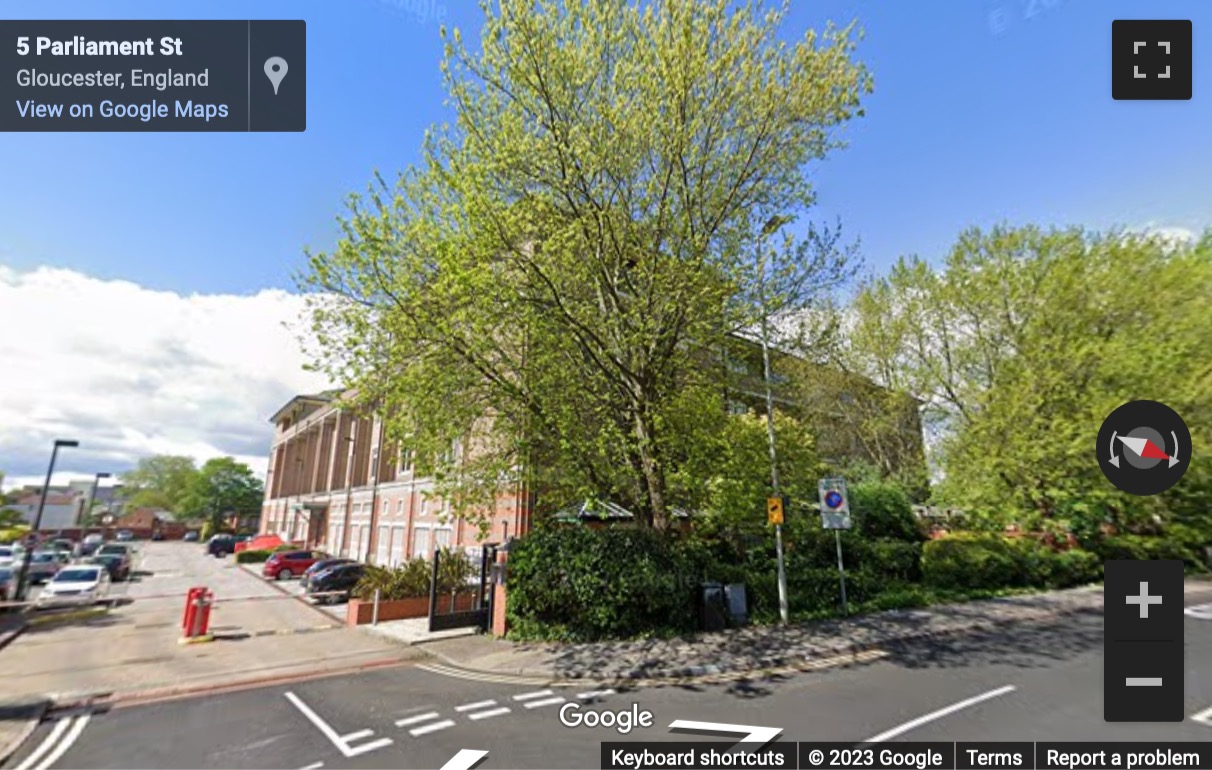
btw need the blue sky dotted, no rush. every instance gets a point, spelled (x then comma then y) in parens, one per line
(164, 330)
(984, 111)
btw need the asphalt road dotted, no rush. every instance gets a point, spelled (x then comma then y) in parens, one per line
(1039, 683)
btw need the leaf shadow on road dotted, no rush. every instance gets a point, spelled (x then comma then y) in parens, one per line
(1028, 645)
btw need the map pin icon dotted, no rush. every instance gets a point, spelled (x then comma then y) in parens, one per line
(275, 70)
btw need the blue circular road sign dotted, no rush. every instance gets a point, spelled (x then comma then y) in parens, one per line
(833, 499)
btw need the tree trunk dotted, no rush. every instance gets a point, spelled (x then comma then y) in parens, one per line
(654, 477)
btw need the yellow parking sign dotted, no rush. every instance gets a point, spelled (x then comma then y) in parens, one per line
(774, 510)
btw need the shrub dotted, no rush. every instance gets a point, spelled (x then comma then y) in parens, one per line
(253, 556)
(884, 511)
(979, 561)
(895, 561)
(208, 531)
(1074, 568)
(591, 584)
(1151, 547)
(286, 547)
(13, 534)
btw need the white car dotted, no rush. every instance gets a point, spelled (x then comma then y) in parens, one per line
(76, 584)
(8, 555)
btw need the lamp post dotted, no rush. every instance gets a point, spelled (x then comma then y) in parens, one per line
(22, 581)
(773, 224)
(92, 496)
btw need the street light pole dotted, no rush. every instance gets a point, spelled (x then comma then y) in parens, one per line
(92, 496)
(773, 224)
(22, 579)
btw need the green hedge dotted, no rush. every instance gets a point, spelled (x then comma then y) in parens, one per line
(253, 556)
(882, 511)
(1152, 547)
(581, 583)
(411, 579)
(13, 534)
(966, 561)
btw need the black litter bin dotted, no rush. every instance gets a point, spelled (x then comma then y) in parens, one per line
(738, 606)
(713, 613)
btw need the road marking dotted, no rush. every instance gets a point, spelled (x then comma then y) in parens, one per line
(313, 766)
(339, 741)
(1204, 717)
(418, 718)
(595, 693)
(490, 713)
(357, 735)
(933, 715)
(545, 702)
(46, 745)
(477, 676)
(477, 705)
(753, 733)
(465, 759)
(66, 743)
(529, 695)
(433, 728)
(1201, 611)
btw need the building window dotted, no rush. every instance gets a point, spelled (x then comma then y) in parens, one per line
(442, 537)
(420, 543)
(383, 547)
(400, 508)
(397, 545)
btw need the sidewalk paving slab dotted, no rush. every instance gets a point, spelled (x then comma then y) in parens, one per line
(756, 648)
(18, 720)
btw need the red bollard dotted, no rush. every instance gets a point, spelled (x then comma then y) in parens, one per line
(197, 616)
(187, 618)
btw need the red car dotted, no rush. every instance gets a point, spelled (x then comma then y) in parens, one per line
(288, 564)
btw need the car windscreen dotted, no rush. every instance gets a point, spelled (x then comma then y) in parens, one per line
(44, 557)
(76, 576)
(6, 575)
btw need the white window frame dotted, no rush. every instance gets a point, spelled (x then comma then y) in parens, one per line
(427, 552)
(398, 544)
(383, 546)
(437, 532)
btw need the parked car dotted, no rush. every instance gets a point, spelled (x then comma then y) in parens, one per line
(43, 566)
(321, 566)
(90, 544)
(191, 537)
(8, 584)
(286, 564)
(339, 578)
(8, 554)
(118, 565)
(158, 534)
(77, 584)
(119, 548)
(221, 545)
(124, 536)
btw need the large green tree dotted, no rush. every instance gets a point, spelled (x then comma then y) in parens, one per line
(160, 481)
(222, 486)
(553, 279)
(1022, 341)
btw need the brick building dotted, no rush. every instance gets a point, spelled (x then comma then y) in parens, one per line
(335, 482)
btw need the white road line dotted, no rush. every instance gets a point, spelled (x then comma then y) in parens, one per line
(545, 702)
(465, 759)
(933, 715)
(47, 743)
(595, 693)
(357, 736)
(529, 695)
(72, 736)
(1204, 717)
(365, 747)
(313, 766)
(331, 734)
(477, 705)
(478, 677)
(418, 718)
(433, 728)
(489, 713)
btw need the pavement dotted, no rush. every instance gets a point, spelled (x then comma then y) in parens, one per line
(133, 652)
(1030, 681)
(758, 648)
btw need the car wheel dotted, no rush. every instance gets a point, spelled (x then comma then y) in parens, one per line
(285, 574)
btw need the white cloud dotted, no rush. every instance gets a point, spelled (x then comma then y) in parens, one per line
(131, 372)
(1173, 234)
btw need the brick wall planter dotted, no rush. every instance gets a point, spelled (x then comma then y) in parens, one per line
(360, 612)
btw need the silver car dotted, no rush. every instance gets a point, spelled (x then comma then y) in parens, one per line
(43, 566)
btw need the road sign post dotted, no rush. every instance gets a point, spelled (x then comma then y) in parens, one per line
(835, 515)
